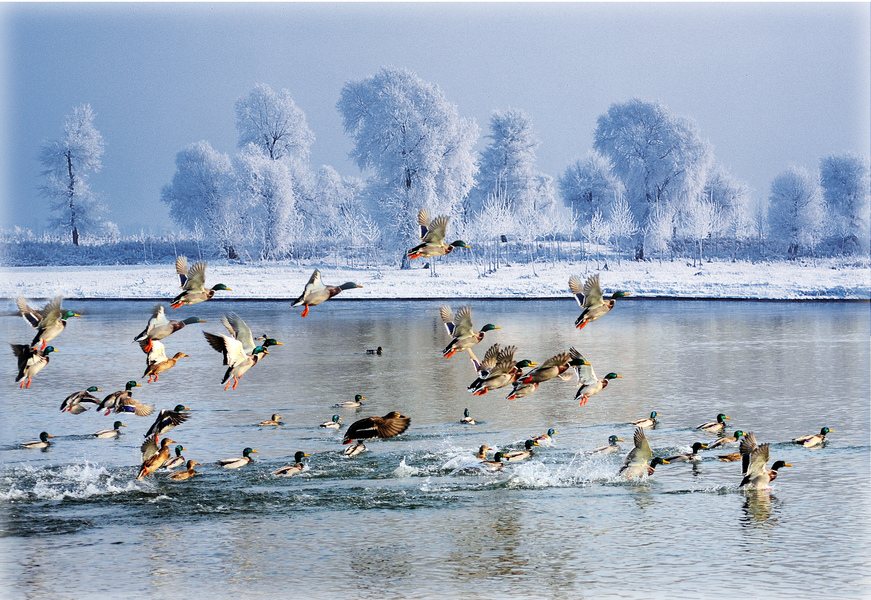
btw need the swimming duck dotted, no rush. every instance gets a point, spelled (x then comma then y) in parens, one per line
(316, 292)
(693, 456)
(726, 440)
(73, 402)
(273, 421)
(30, 362)
(235, 463)
(753, 459)
(152, 456)
(518, 455)
(192, 281)
(482, 452)
(588, 383)
(167, 420)
(42, 442)
(104, 434)
(122, 401)
(355, 403)
(291, 470)
(354, 450)
(432, 237)
(159, 327)
(177, 460)
(648, 422)
(388, 426)
(186, 474)
(589, 297)
(49, 322)
(611, 448)
(235, 359)
(495, 464)
(333, 423)
(379, 351)
(460, 327)
(467, 418)
(809, 441)
(640, 463)
(153, 371)
(715, 426)
(547, 437)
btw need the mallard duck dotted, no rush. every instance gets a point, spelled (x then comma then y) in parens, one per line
(693, 456)
(333, 423)
(240, 331)
(460, 327)
(729, 457)
(640, 462)
(316, 292)
(715, 426)
(432, 237)
(555, 366)
(648, 422)
(388, 426)
(357, 402)
(589, 297)
(155, 352)
(379, 351)
(291, 470)
(30, 362)
(153, 456)
(153, 371)
(73, 402)
(809, 441)
(521, 390)
(354, 450)
(49, 322)
(518, 455)
(122, 401)
(498, 371)
(192, 281)
(753, 459)
(273, 421)
(467, 418)
(547, 437)
(159, 327)
(104, 434)
(611, 448)
(726, 440)
(235, 359)
(495, 464)
(186, 474)
(235, 463)
(482, 452)
(42, 442)
(177, 460)
(588, 383)
(167, 420)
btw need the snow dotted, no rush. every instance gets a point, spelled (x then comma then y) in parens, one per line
(822, 279)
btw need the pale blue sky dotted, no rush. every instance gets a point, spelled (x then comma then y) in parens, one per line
(771, 85)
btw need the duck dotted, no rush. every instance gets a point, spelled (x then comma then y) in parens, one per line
(388, 426)
(30, 362)
(104, 434)
(460, 327)
(333, 423)
(241, 332)
(753, 460)
(731, 439)
(316, 292)
(155, 352)
(432, 237)
(160, 327)
(588, 383)
(237, 361)
(467, 418)
(611, 448)
(521, 390)
(354, 450)
(518, 455)
(717, 426)
(153, 371)
(498, 371)
(186, 474)
(648, 422)
(495, 464)
(555, 366)
(640, 462)
(73, 402)
(49, 322)
(273, 421)
(547, 437)
(122, 401)
(192, 281)
(693, 456)
(379, 351)
(482, 452)
(177, 460)
(167, 420)
(153, 456)
(357, 402)
(235, 463)
(42, 442)
(809, 441)
(294, 469)
(589, 297)
(732, 457)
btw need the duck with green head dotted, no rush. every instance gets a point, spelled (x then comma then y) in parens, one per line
(498, 370)
(177, 460)
(717, 426)
(810, 441)
(518, 455)
(547, 437)
(158, 328)
(122, 401)
(316, 292)
(692, 456)
(589, 297)
(30, 362)
(237, 361)
(467, 418)
(73, 402)
(611, 448)
(167, 420)
(588, 384)
(650, 421)
(753, 460)
(49, 322)
(42, 442)
(115, 432)
(193, 283)
(235, 463)
(461, 329)
(332, 423)
(357, 402)
(294, 469)
(432, 237)
(729, 439)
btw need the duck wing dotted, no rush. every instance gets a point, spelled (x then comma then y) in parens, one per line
(229, 347)
(577, 289)
(423, 220)
(463, 322)
(239, 330)
(388, 426)
(438, 227)
(31, 315)
(592, 291)
(447, 319)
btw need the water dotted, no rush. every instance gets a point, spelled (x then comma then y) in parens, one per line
(400, 521)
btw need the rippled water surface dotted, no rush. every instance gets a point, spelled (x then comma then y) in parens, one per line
(404, 519)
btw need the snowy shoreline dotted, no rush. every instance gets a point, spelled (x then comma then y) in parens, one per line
(823, 280)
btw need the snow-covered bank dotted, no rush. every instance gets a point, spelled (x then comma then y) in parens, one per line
(741, 280)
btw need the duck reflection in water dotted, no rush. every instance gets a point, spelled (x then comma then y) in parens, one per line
(758, 508)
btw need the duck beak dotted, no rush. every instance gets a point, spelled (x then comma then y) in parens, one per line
(51, 436)
(705, 446)
(665, 462)
(784, 464)
(279, 344)
(308, 455)
(619, 440)
(123, 425)
(76, 315)
(730, 418)
(255, 452)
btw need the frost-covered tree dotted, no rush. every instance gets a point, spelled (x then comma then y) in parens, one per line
(67, 161)
(273, 123)
(700, 219)
(796, 211)
(621, 223)
(659, 229)
(847, 192)
(733, 201)
(660, 157)
(202, 195)
(589, 184)
(597, 231)
(416, 145)
(336, 216)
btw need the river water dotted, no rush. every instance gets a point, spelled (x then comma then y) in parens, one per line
(403, 520)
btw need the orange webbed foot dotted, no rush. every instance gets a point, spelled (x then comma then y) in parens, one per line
(305, 312)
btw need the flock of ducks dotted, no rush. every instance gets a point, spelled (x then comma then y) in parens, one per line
(241, 351)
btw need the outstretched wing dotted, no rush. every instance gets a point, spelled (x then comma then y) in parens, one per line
(423, 221)
(556, 361)
(239, 330)
(585, 371)
(149, 448)
(577, 288)
(447, 319)
(463, 322)
(157, 354)
(641, 453)
(229, 347)
(592, 291)
(437, 229)
(31, 315)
